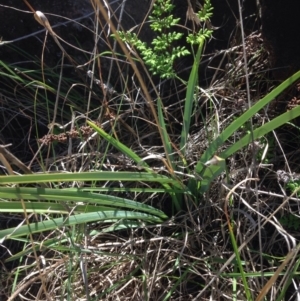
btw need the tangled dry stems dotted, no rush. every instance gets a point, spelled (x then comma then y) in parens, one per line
(147, 263)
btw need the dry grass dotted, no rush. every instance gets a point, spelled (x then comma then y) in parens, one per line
(190, 257)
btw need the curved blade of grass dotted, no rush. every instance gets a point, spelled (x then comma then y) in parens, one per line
(129, 153)
(76, 196)
(47, 243)
(212, 172)
(58, 243)
(240, 266)
(235, 125)
(252, 274)
(121, 225)
(189, 100)
(47, 207)
(131, 189)
(120, 146)
(12, 75)
(36, 83)
(165, 136)
(179, 282)
(263, 130)
(105, 217)
(90, 177)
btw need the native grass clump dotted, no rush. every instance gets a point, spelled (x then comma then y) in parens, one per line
(116, 204)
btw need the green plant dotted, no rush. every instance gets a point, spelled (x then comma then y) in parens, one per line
(67, 203)
(162, 53)
(290, 221)
(206, 169)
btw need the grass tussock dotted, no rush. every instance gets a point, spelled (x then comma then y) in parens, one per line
(123, 180)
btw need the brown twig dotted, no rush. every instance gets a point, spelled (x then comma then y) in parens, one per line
(12, 159)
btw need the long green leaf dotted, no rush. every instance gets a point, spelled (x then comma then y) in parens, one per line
(189, 100)
(212, 172)
(261, 131)
(43, 194)
(47, 207)
(129, 153)
(89, 176)
(165, 136)
(11, 71)
(235, 125)
(49, 225)
(120, 146)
